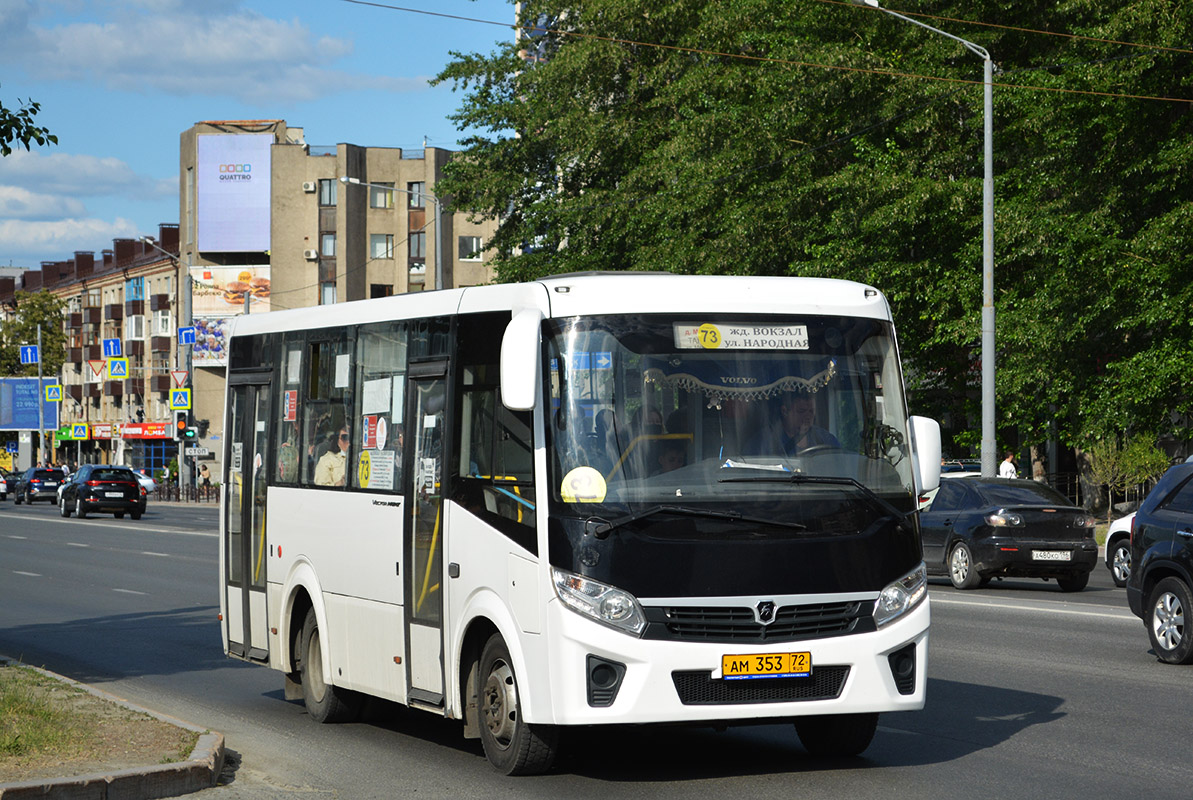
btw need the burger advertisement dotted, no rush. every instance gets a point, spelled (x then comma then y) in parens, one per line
(221, 291)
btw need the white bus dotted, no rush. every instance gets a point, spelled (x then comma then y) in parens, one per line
(594, 499)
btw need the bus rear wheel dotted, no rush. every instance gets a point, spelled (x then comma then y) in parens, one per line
(324, 702)
(835, 735)
(512, 745)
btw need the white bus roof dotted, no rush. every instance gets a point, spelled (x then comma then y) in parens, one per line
(597, 293)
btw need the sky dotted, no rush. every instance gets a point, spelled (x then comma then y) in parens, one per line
(119, 80)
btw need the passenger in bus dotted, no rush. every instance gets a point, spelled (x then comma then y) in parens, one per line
(331, 467)
(797, 430)
(672, 455)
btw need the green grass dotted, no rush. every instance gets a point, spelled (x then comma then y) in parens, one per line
(31, 721)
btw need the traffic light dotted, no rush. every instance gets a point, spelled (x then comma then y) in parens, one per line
(181, 426)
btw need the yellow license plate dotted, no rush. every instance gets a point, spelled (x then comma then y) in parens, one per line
(767, 665)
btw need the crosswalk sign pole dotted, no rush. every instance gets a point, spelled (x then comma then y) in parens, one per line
(41, 403)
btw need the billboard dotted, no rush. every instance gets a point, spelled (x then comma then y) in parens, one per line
(19, 399)
(233, 192)
(220, 291)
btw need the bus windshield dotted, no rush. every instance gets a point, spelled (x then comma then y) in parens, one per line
(724, 413)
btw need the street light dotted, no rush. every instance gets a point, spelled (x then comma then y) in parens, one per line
(989, 455)
(185, 319)
(438, 220)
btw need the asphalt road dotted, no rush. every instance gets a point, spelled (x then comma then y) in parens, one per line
(1031, 692)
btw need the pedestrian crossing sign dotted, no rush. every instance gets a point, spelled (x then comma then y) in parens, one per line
(54, 393)
(117, 368)
(180, 399)
(78, 431)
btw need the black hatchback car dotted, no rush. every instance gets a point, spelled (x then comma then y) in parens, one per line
(38, 483)
(1160, 586)
(976, 529)
(105, 489)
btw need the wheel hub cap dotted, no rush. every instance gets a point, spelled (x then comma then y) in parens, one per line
(500, 703)
(1168, 621)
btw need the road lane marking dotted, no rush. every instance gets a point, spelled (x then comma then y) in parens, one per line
(128, 591)
(10, 536)
(996, 604)
(160, 555)
(30, 574)
(77, 544)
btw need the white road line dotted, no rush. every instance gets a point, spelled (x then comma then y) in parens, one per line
(128, 591)
(77, 544)
(10, 536)
(161, 555)
(30, 574)
(1124, 615)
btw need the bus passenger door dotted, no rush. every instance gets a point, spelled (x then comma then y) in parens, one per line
(244, 526)
(427, 428)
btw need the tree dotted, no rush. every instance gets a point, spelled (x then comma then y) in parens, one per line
(749, 137)
(33, 308)
(16, 126)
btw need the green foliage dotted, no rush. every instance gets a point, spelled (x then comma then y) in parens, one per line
(771, 138)
(16, 127)
(33, 308)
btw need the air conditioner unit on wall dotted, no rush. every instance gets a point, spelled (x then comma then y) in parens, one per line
(311, 255)
(309, 186)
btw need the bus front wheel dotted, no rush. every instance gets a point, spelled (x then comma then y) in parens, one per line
(836, 735)
(511, 744)
(324, 702)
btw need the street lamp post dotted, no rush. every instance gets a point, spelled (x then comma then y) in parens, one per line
(438, 220)
(989, 454)
(184, 319)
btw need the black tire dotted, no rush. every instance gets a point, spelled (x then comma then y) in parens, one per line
(961, 571)
(512, 745)
(135, 514)
(836, 735)
(324, 702)
(80, 512)
(1073, 583)
(1169, 612)
(118, 514)
(63, 507)
(16, 498)
(1119, 561)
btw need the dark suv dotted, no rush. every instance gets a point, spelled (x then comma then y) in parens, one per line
(103, 488)
(38, 483)
(1160, 587)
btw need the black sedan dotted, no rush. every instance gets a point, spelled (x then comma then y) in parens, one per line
(976, 529)
(103, 488)
(37, 483)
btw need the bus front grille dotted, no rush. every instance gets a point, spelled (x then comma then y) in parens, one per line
(739, 624)
(699, 688)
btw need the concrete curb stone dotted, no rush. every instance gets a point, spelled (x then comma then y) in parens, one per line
(199, 771)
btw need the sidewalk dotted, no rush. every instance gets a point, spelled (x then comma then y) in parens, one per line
(200, 771)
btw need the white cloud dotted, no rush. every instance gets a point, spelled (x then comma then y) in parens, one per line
(80, 175)
(17, 203)
(26, 243)
(184, 50)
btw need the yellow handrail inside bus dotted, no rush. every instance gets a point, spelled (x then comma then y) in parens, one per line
(427, 588)
(646, 437)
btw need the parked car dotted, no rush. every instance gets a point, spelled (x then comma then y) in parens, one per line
(976, 529)
(145, 480)
(103, 488)
(1118, 549)
(1160, 584)
(4, 478)
(38, 483)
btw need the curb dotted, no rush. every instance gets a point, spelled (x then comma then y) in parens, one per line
(198, 772)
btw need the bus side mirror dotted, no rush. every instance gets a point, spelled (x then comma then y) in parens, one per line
(925, 445)
(520, 358)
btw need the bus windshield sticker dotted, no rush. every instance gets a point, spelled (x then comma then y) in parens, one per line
(343, 362)
(583, 485)
(740, 337)
(374, 396)
(364, 469)
(381, 470)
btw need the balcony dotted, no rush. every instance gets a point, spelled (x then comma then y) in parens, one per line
(114, 388)
(74, 320)
(94, 352)
(93, 315)
(160, 383)
(133, 308)
(159, 344)
(114, 311)
(74, 355)
(91, 390)
(159, 302)
(134, 347)
(75, 392)
(134, 386)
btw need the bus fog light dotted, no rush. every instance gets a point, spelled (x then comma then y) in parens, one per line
(605, 604)
(901, 596)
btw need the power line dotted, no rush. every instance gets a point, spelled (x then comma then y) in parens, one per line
(773, 60)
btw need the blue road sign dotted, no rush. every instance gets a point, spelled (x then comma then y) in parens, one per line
(54, 394)
(186, 335)
(14, 447)
(180, 399)
(112, 348)
(29, 354)
(117, 367)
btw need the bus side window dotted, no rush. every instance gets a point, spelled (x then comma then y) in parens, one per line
(380, 410)
(326, 402)
(287, 434)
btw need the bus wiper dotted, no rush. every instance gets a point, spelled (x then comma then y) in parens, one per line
(602, 528)
(832, 480)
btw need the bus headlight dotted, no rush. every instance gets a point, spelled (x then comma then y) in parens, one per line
(901, 596)
(599, 601)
